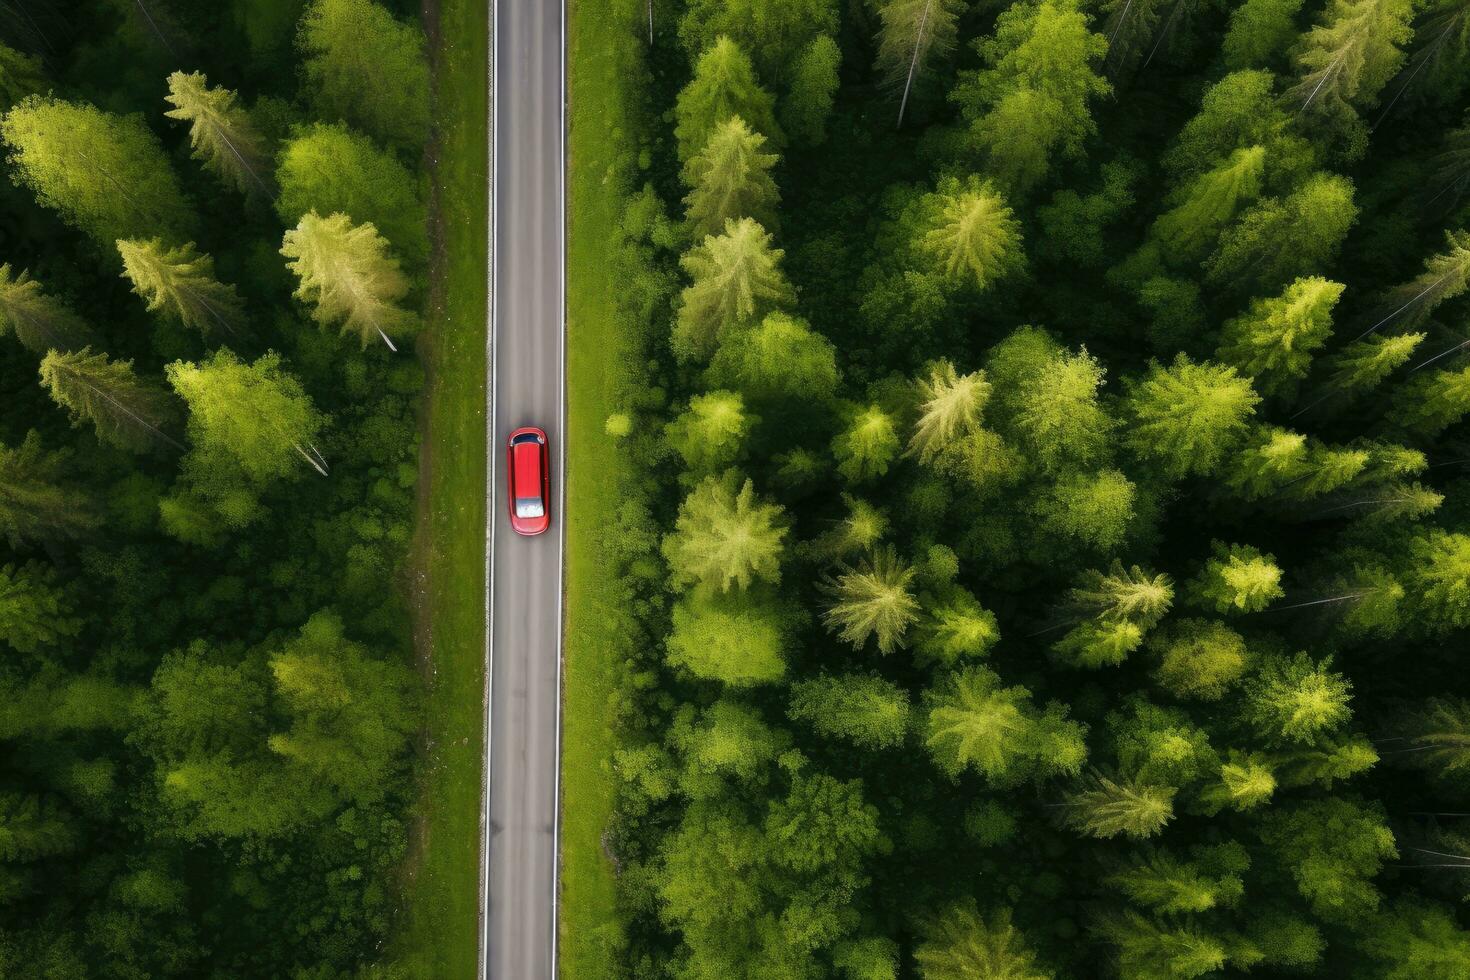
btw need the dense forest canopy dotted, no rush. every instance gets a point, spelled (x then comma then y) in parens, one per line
(1053, 558)
(212, 236)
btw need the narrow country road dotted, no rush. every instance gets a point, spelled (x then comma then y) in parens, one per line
(526, 385)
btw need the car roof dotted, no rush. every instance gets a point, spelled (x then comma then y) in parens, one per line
(526, 465)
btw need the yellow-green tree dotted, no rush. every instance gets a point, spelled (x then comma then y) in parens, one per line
(346, 273)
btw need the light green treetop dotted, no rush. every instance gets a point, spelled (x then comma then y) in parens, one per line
(1239, 578)
(872, 599)
(725, 537)
(724, 85)
(736, 278)
(179, 282)
(126, 412)
(912, 36)
(970, 233)
(1275, 340)
(220, 132)
(950, 407)
(711, 433)
(39, 321)
(961, 944)
(1185, 418)
(730, 178)
(346, 271)
(1208, 203)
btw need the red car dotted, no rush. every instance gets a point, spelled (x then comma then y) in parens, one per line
(528, 465)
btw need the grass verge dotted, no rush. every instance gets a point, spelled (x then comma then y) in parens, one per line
(603, 54)
(442, 879)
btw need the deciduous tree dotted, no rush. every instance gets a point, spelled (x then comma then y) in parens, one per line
(863, 709)
(725, 537)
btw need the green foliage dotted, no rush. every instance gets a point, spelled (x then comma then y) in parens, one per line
(912, 36)
(367, 69)
(1332, 848)
(725, 537)
(730, 178)
(1108, 808)
(1239, 578)
(179, 282)
(738, 641)
(955, 627)
(1029, 105)
(126, 412)
(1163, 883)
(40, 322)
(1431, 402)
(735, 280)
(872, 599)
(1418, 942)
(972, 722)
(779, 358)
(724, 86)
(1199, 658)
(104, 174)
(775, 32)
(34, 614)
(35, 505)
(1347, 59)
(1208, 203)
(330, 169)
(1147, 948)
(346, 272)
(1275, 340)
(863, 709)
(1297, 700)
(962, 944)
(808, 102)
(969, 233)
(1185, 418)
(220, 132)
(20, 75)
(1260, 32)
(950, 407)
(1280, 239)
(711, 433)
(868, 445)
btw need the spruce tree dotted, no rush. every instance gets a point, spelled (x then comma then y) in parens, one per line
(1352, 53)
(724, 85)
(971, 235)
(367, 68)
(1431, 402)
(863, 709)
(1198, 658)
(34, 612)
(950, 407)
(912, 36)
(725, 538)
(736, 278)
(865, 449)
(1297, 700)
(35, 505)
(971, 722)
(1186, 418)
(179, 282)
(345, 271)
(730, 178)
(961, 944)
(1108, 808)
(125, 411)
(40, 322)
(1445, 276)
(220, 132)
(872, 599)
(1207, 204)
(104, 174)
(1274, 341)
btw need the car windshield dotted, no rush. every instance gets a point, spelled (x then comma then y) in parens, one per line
(529, 507)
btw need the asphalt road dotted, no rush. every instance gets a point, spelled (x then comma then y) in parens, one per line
(525, 581)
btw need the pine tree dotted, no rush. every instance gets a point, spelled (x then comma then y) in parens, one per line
(1199, 658)
(1129, 28)
(730, 179)
(220, 132)
(1149, 949)
(1187, 417)
(1274, 342)
(1438, 731)
(180, 283)
(104, 174)
(1260, 32)
(724, 85)
(711, 434)
(970, 233)
(863, 709)
(1107, 808)
(867, 446)
(1364, 364)
(950, 407)
(1445, 276)
(1297, 700)
(780, 359)
(862, 528)
(1351, 54)
(956, 627)
(1431, 402)
(736, 279)
(1159, 880)
(346, 271)
(367, 68)
(962, 944)
(1030, 102)
(1280, 239)
(40, 322)
(250, 420)
(33, 612)
(351, 714)
(725, 537)
(1239, 578)
(34, 504)
(739, 641)
(1093, 509)
(807, 103)
(872, 599)
(32, 828)
(1124, 595)
(1437, 580)
(329, 168)
(1095, 644)
(972, 722)
(1246, 782)
(1059, 417)
(912, 35)
(125, 411)
(1207, 204)
(1417, 941)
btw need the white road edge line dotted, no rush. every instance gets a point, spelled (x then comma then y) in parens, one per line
(561, 481)
(491, 343)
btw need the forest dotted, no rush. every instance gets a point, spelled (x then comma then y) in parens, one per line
(213, 257)
(1049, 551)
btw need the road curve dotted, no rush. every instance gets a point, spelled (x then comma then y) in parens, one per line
(527, 388)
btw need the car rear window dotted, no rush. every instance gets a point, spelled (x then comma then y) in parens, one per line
(530, 507)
